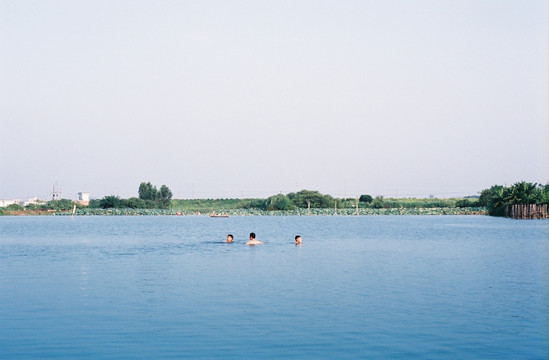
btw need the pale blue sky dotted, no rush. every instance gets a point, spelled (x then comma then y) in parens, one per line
(253, 98)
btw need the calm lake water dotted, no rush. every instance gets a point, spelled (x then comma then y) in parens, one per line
(359, 287)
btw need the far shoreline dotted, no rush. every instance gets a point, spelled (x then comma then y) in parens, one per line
(257, 212)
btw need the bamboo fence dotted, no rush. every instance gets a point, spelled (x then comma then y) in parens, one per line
(526, 211)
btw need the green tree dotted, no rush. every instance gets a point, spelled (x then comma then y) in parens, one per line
(134, 203)
(252, 204)
(111, 201)
(165, 193)
(496, 200)
(378, 202)
(32, 207)
(523, 193)
(147, 191)
(94, 204)
(14, 207)
(278, 202)
(487, 194)
(365, 198)
(544, 194)
(60, 205)
(316, 199)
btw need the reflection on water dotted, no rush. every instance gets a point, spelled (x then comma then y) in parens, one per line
(369, 287)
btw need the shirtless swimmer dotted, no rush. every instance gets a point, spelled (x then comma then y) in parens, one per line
(253, 241)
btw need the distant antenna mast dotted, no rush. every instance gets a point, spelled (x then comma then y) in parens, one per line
(57, 192)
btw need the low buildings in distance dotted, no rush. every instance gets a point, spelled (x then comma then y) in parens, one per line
(8, 202)
(32, 200)
(83, 199)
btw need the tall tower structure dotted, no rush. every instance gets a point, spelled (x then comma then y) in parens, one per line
(57, 192)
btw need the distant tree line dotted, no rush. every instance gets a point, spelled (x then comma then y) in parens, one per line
(493, 199)
(301, 199)
(149, 198)
(497, 197)
(314, 199)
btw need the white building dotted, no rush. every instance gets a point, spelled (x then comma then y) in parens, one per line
(7, 202)
(33, 200)
(84, 198)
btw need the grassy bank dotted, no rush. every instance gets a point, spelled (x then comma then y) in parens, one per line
(208, 205)
(296, 212)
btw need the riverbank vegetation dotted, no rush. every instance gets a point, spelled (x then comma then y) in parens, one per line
(47, 207)
(152, 201)
(497, 197)
(308, 199)
(295, 212)
(149, 198)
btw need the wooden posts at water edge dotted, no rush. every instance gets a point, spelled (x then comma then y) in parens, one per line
(526, 211)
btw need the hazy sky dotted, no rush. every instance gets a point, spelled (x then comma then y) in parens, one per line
(253, 98)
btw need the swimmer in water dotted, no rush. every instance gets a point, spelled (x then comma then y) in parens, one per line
(298, 239)
(253, 241)
(230, 238)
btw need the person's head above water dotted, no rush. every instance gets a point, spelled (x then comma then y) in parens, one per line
(298, 239)
(253, 241)
(230, 238)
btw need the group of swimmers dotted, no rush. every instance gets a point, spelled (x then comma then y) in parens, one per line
(253, 241)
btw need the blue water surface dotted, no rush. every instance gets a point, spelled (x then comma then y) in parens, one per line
(423, 287)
